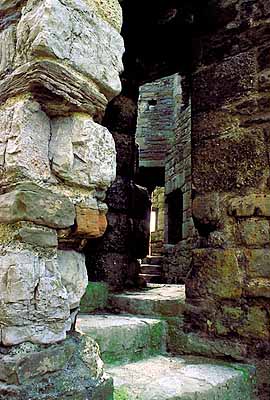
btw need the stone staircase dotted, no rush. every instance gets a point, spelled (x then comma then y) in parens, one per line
(134, 338)
(151, 269)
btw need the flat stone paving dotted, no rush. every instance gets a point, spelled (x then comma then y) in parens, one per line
(122, 337)
(156, 299)
(189, 378)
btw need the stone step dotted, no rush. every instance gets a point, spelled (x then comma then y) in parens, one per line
(155, 300)
(123, 338)
(151, 278)
(151, 269)
(153, 260)
(189, 378)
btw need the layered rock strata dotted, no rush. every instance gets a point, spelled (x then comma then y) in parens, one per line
(60, 65)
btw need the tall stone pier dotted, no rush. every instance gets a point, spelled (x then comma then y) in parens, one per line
(59, 66)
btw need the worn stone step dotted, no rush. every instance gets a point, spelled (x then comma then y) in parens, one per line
(155, 300)
(124, 338)
(153, 260)
(151, 269)
(189, 378)
(151, 278)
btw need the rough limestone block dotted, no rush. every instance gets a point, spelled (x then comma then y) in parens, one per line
(82, 152)
(34, 300)
(256, 324)
(70, 32)
(254, 232)
(89, 223)
(216, 273)
(259, 287)
(7, 48)
(123, 338)
(24, 139)
(37, 294)
(227, 80)
(206, 208)
(7, 4)
(71, 265)
(59, 89)
(70, 369)
(249, 206)
(29, 202)
(239, 161)
(37, 235)
(109, 11)
(257, 262)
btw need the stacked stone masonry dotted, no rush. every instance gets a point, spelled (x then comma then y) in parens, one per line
(178, 179)
(157, 110)
(60, 65)
(157, 236)
(229, 286)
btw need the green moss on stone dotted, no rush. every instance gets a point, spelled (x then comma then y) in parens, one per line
(95, 297)
(121, 394)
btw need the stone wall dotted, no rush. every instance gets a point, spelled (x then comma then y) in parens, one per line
(229, 286)
(178, 256)
(157, 236)
(157, 107)
(56, 163)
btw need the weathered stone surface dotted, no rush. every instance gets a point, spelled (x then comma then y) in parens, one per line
(30, 202)
(183, 378)
(257, 263)
(24, 139)
(124, 338)
(73, 273)
(36, 235)
(206, 208)
(37, 294)
(216, 273)
(254, 232)
(72, 369)
(6, 4)
(157, 108)
(7, 47)
(82, 152)
(240, 162)
(155, 300)
(110, 11)
(95, 297)
(34, 301)
(29, 361)
(256, 324)
(259, 287)
(249, 206)
(226, 80)
(47, 80)
(89, 223)
(69, 30)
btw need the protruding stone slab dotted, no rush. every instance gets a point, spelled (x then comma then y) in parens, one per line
(75, 41)
(123, 338)
(249, 206)
(24, 139)
(71, 369)
(166, 378)
(156, 299)
(30, 202)
(37, 295)
(82, 152)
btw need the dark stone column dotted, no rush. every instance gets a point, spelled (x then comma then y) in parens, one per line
(114, 257)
